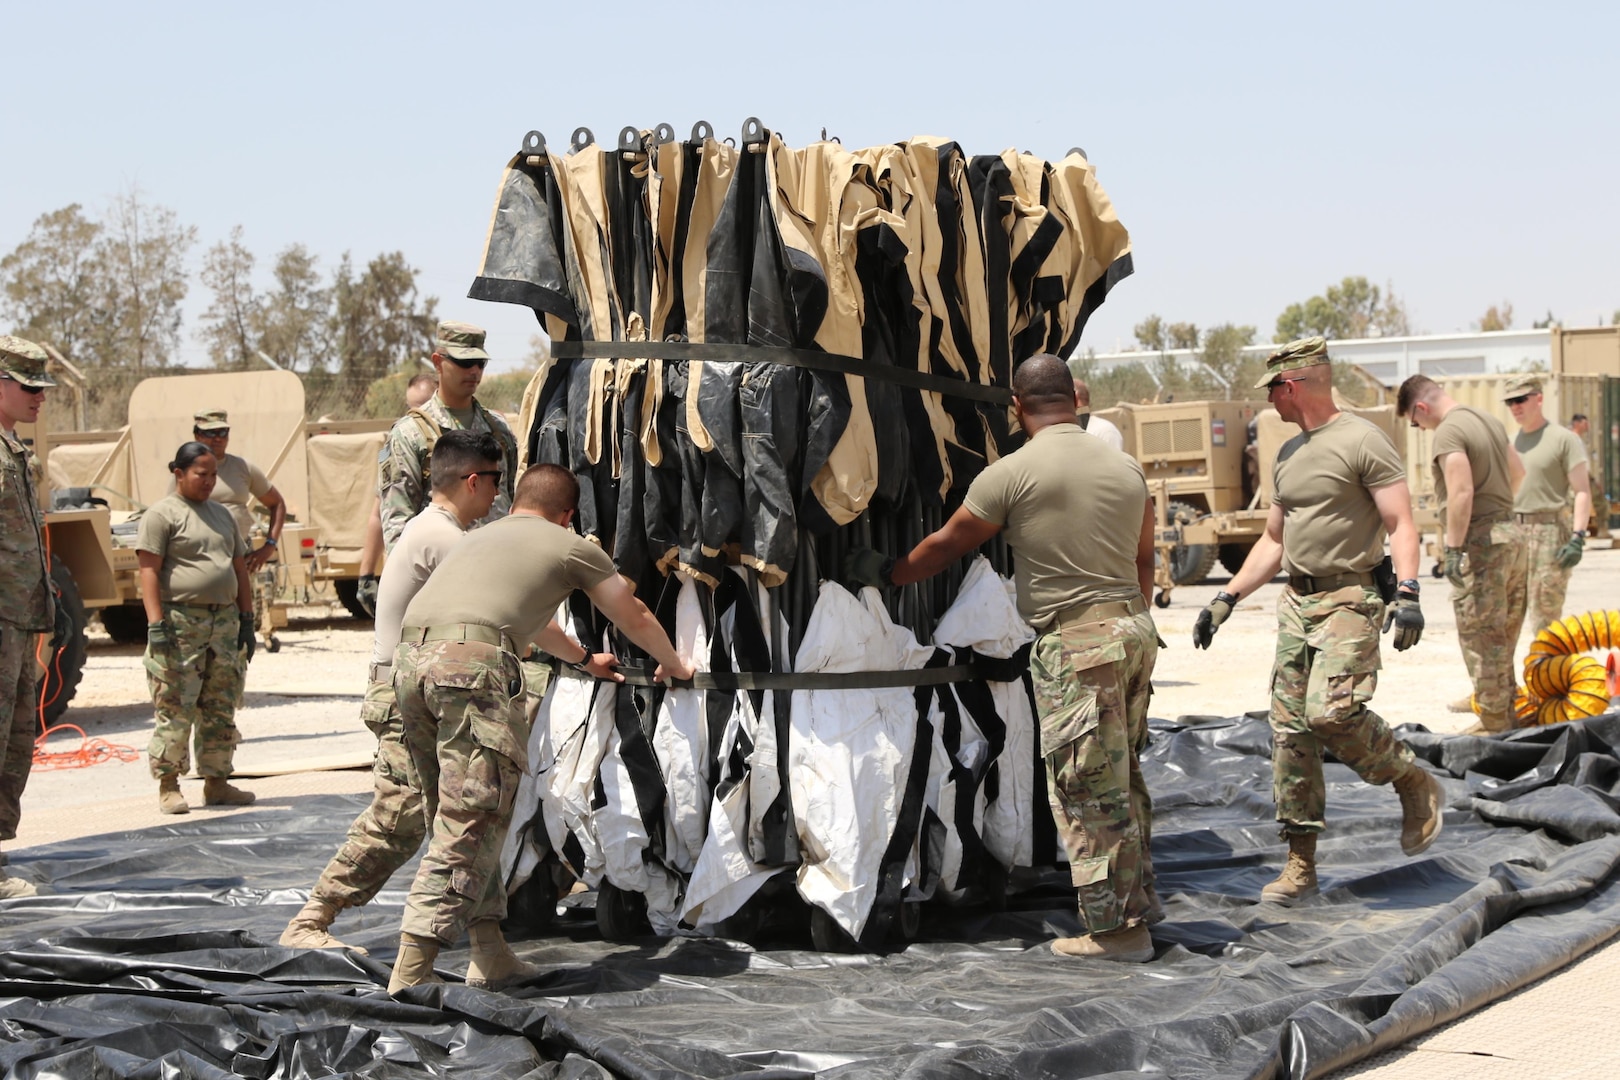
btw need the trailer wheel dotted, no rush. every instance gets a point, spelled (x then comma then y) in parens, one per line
(827, 936)
(1161, 599)
(66, 666)
(125, 623)
(1190, 564)
(532, 908)
(621, 916)
(348, 594)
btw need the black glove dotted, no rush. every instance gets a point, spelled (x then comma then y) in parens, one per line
(1570, 554)
(1210, 619)
(1407, 618)
(244, 632)
(366, 593)
(158, 637)
(1454, 559)
(868, 567)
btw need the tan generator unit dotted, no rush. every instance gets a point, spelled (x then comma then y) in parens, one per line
(1196, 448)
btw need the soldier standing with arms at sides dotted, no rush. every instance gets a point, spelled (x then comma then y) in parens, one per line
(1340, 487)
(27, 601)
(199, 631)
(459, 358)
(461, 699)
(1475, 472)
(466, 476)
(1599, 524)
(1554, 466)
(417, 393)
(236, 481)
(1078, 516)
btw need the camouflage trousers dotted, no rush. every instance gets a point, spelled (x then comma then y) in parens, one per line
(388, 832)
(1326, 670)
(1490, 609)
(19, 721)
(462, 708)
(195, 685)
(1545, 581)
(1091, 677)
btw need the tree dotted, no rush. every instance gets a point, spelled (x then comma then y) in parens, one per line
(141, 260)
(1354, 308)
(1496, 317)
(48, 283)
(1551, 321)
(1223, 355)
(378, 321)
(1150, 333)
(292, 318)
(1182, 335)
(232, 324)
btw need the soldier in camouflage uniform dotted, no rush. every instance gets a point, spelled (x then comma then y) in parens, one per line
(460, 689)
(466, 477)
(1581, 425)
(1555, 469)
(1340, 488)
(402, 465)
(1475, 472)
(1078, 516)
(27, 605)
(199, 633)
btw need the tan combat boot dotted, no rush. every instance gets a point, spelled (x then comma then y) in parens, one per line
(1126, 945)
(414, 965)
(217, 791)
(308, 929)
(13, 888)
(1422, 806)
(1298, 878)
(170, 801)
(1462, 704)
(493, 965)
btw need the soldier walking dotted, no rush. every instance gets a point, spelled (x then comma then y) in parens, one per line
(1077, 514)
(466, 476)
(199, 632)
(1340, 488)
(459, 684)
(459, 358)
(1554, 468)
(27, 601)
(1475, 473)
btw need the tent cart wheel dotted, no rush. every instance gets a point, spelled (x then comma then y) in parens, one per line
(1161, 599)
(827, 936)
(621, 916)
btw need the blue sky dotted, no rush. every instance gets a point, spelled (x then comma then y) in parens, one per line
(1257, 152)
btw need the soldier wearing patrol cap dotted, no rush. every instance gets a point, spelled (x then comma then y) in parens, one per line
(1340, 488)
(27, 602)
(402, 467)
(1555, 465)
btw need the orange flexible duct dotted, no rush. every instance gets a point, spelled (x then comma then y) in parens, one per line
(1560, 683)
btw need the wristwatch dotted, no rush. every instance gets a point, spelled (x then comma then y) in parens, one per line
(269, 541)
(1409, 585)
(581, 664)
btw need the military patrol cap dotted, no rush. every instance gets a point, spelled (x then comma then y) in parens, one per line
(212, 420)
(462, 341)
(1525, 384)
(24, 362)
(1306, 352)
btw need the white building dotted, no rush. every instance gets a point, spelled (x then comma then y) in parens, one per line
(1391, 360)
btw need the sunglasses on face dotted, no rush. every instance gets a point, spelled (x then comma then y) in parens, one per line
(1277, 384)
(216, 433)
(25, 388)
(1520, 400)
(467, 365)
(493, 473)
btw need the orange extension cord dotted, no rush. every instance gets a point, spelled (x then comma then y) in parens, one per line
(90, 751)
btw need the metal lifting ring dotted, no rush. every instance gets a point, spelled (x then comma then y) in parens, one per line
(1077, 150)
(534, 143)
(581, 138)
(753, 132)
(630, 139)
(702, 131)
(662, 134)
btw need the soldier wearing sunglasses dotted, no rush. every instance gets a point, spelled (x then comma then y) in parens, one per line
(1555, 465)
(402, 468)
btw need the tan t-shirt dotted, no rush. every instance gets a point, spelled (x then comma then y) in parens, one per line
(197, 541)
(237, 479)
(509, 574)
(427, 539)
(1549, 453)
(1325, 480)
(1072, 507)
(1466, 430)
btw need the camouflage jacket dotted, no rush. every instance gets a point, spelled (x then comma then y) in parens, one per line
(402, 466)
(25, 590)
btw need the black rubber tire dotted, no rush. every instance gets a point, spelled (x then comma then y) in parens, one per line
(533, 907)
(348, 594)
(621, 916)
(66, 667)
(1161, 599)
(907, 923)
(1190, 564)
(125, 623)
(827, 936)
(1232, 556)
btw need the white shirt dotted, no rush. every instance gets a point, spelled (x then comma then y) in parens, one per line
(427, 539)
(1105, 430)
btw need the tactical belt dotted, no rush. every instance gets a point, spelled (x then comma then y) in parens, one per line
(1306, 585)
(771, 354)
(1541, 517)
(380, 673)
(1095, 612)
(488, 635)
(826, 680)
(198, 607)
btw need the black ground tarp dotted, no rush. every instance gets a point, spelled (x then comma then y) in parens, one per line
(156, 955)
